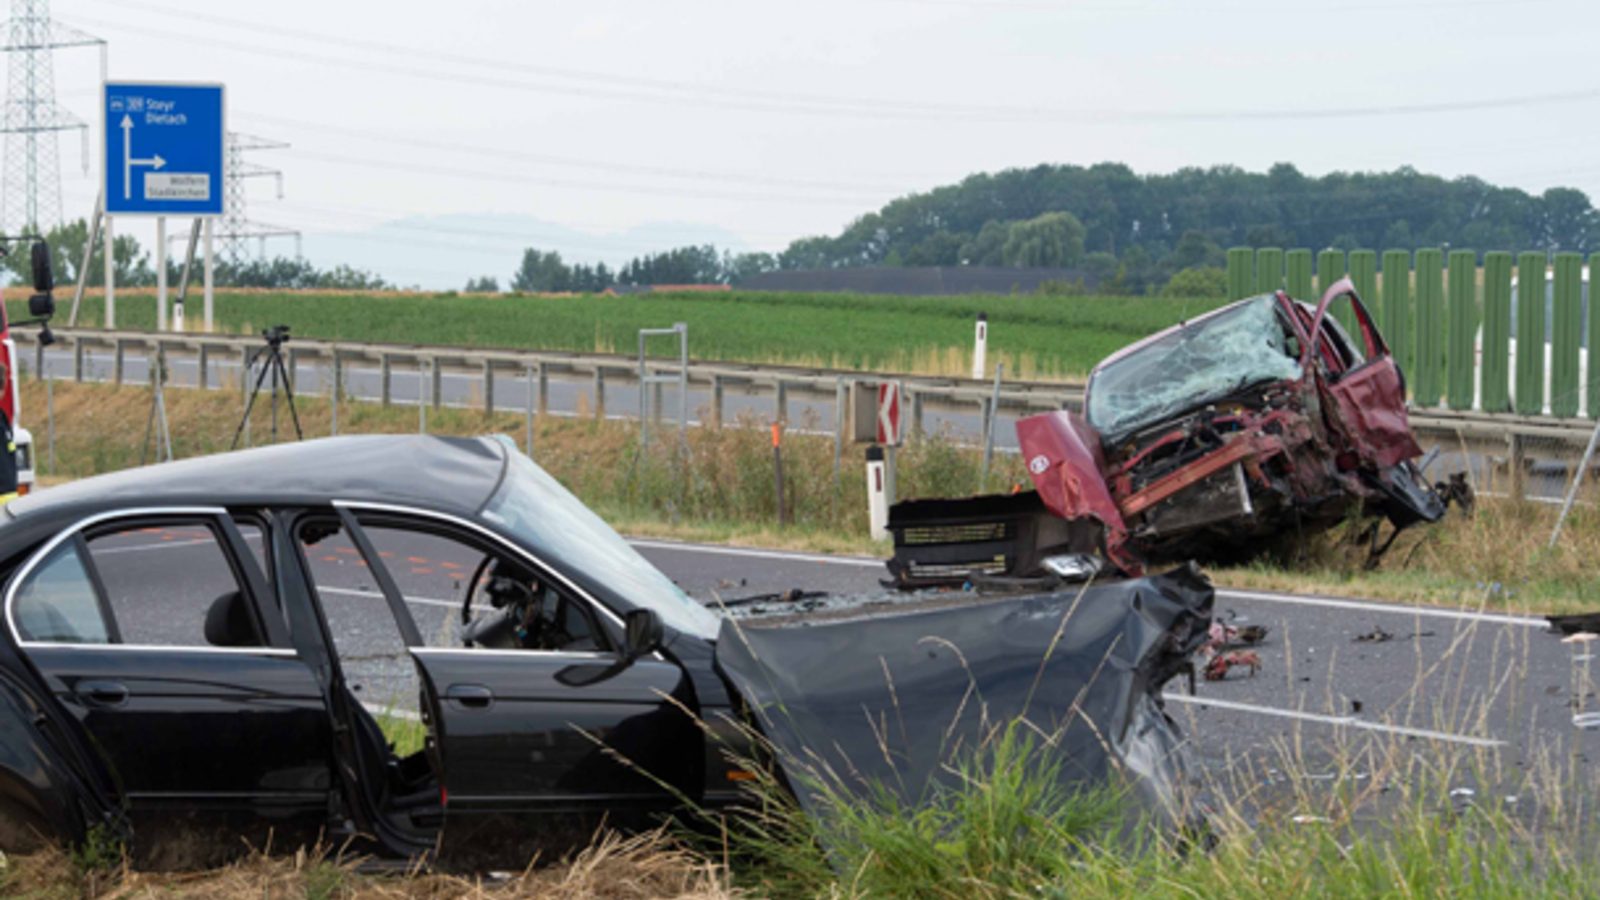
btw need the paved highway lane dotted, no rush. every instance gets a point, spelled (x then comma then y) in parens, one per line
(1333, 670)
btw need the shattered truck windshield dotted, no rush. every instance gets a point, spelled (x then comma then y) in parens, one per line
(1204, 361)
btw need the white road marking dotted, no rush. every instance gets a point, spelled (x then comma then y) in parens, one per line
(420, 601)
(1391, 608)
(163, 545)
(1348, 721)
(750, 552)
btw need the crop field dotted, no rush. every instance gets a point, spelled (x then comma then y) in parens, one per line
(1034, 336)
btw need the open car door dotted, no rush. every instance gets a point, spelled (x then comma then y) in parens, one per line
(1366, 398)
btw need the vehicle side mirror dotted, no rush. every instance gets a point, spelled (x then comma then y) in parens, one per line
(41, 306)
(641, 633)
(44, 280)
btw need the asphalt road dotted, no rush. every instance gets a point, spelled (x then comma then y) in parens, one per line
(1334, 672)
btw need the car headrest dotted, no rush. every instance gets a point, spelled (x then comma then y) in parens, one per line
(228, 622)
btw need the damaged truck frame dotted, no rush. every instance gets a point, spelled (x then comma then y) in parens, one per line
(1260, 420)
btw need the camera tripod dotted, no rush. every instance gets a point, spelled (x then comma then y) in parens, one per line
(276, 337)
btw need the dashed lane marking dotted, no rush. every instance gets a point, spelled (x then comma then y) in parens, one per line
(1345, 721)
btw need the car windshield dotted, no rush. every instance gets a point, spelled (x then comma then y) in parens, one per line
(549, 519)
(1206, 360)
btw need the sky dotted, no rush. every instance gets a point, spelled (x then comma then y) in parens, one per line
(437, 137)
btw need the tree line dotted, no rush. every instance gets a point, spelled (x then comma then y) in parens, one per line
(1131, 233)
(132, 266)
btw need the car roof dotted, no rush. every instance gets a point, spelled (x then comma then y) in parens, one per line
(1136, 346)
(448, 474)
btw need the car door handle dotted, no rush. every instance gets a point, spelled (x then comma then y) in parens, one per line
(470, 696)
(102, 693)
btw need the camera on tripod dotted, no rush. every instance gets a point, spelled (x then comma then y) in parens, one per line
(274, 368)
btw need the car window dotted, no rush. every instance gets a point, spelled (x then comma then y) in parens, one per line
(173, 585)
(512, 606)
(58, 603)
(372, 654)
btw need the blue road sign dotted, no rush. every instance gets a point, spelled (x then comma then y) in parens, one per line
(163, 149)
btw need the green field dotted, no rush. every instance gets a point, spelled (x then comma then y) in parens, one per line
(1034, 336)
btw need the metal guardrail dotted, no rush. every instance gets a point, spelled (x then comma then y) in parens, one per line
(487, 363)
(1498, 434)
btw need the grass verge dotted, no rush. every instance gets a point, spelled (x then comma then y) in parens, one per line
(1035, 337)
(717, 486)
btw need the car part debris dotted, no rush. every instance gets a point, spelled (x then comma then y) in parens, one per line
(1376, 636)
(1258, 422)
(862, 696)
(1575, 623)
(1219, 665)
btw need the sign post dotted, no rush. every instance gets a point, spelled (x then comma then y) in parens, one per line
(163, 155)
(890, 432)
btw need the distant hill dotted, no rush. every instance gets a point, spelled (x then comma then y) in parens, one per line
(1147, 216)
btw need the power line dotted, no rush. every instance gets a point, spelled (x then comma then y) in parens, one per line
(635, 89)
(545, 159)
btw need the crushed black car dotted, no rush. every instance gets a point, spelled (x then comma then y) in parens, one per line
(183, 669)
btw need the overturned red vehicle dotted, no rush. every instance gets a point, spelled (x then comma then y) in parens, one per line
(1210, 441)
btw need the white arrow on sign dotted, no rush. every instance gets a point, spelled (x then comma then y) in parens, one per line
(128, 162)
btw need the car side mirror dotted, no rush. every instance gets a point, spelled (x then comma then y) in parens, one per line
(641, 633)
(41, 306)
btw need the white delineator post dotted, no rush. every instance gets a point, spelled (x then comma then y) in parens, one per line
(877, 494)
(980, 346)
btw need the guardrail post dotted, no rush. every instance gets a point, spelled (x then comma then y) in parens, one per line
(599, 392)
(38, 357)
(781, 401)
(1461, 356)
(488, 387)
(1396, 306)
(386, 379)
(1528, 374)
(333, 395)
(916, 415)
(202, 360)
(1494, 366)
(527, 405)
(656, 401)
(544, 389)
(716, 401)
(1566, 332)
(1425, 385)
(77, 359)
(291, 365)
(118, 356)
(437, 386)
(1297, 275)
(1518, 463)
(1269, 270)
(245, 356)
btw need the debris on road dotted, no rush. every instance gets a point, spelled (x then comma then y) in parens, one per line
(1376, 636)
(1217, 668)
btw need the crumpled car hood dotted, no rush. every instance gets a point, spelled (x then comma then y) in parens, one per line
(889, 700)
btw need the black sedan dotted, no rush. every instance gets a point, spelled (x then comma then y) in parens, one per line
(194, 709)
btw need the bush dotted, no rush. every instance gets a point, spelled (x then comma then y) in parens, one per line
(1203, 281)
